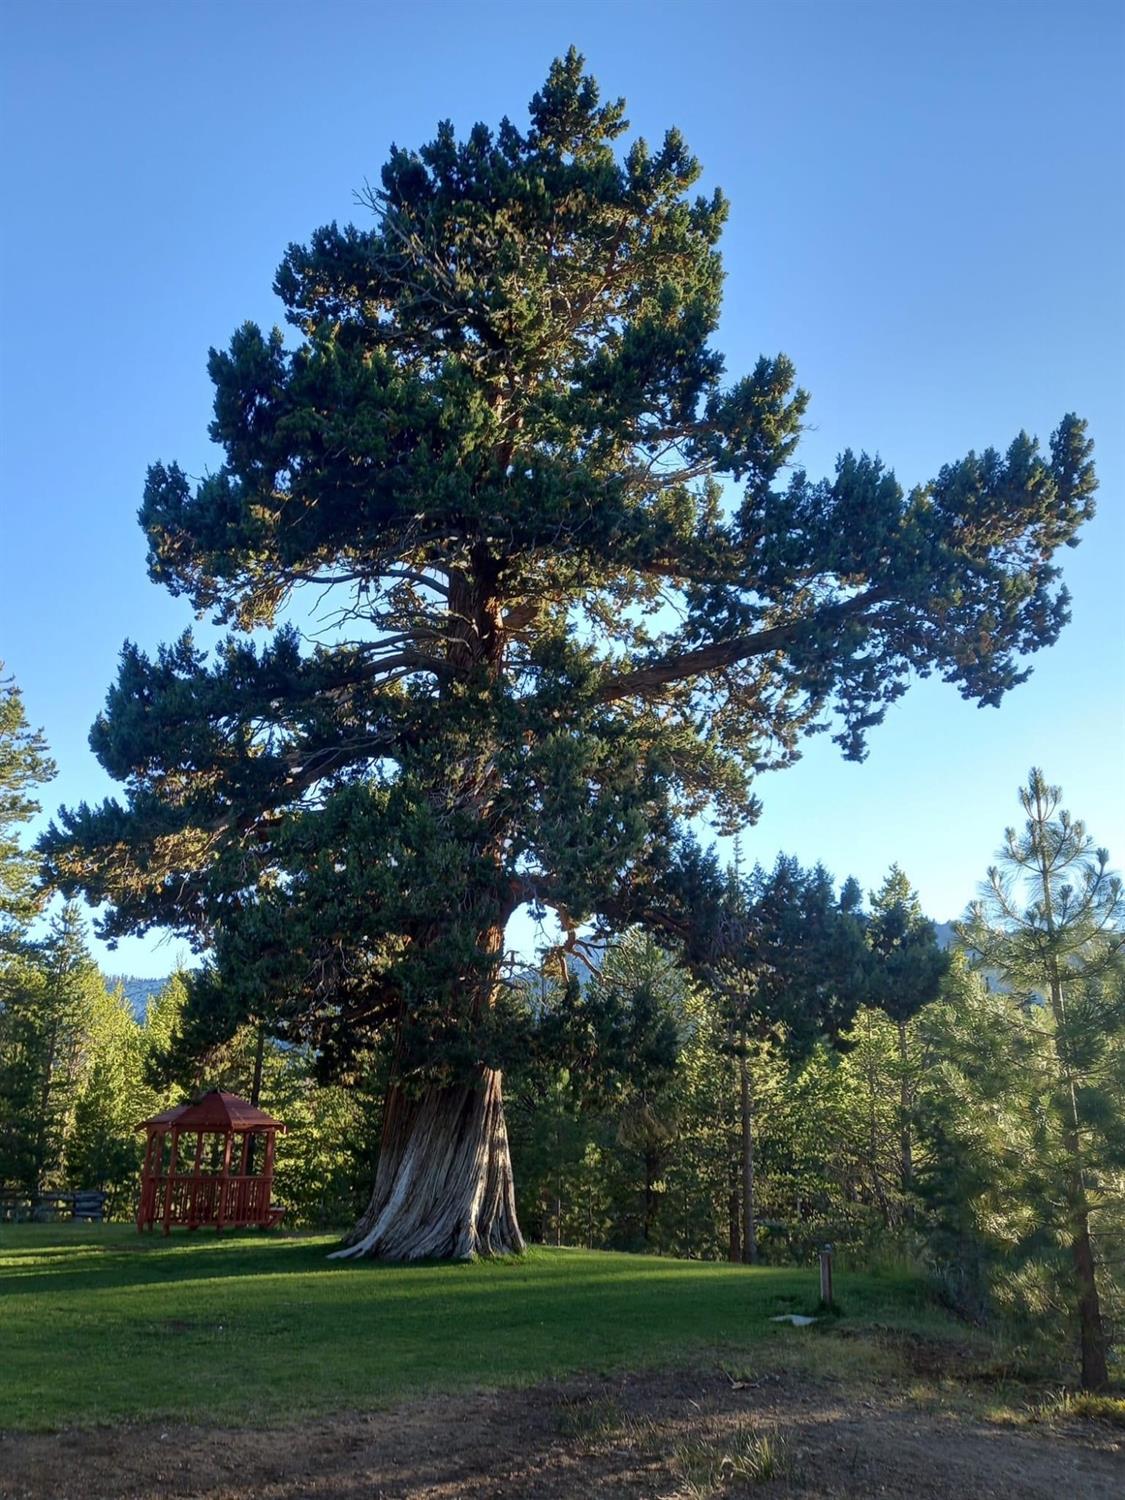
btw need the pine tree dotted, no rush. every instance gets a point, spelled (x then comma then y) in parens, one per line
(1051, 925)
(109, 1098)
(497, 442)
(163, 1011)
(631, 1018)
(803, 977)
(703, 1172)
(981, 1182)
(49, 1011)
(22, 987)
(907, 973)
(24, 765)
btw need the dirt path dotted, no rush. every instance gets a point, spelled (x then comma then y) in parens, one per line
(657, 1434)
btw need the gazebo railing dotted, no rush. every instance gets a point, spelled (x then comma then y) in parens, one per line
(207, 1200)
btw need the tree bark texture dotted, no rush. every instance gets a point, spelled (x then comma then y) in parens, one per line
(443, 1186)
(749, 1227)
(1093, 1343)
(1092, 1336)
(734, 1230)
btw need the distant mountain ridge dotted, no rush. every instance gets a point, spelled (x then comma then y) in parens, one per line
(945, 934)
(137, 991)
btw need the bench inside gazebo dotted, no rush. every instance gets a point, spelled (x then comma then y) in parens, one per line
(202, 1166)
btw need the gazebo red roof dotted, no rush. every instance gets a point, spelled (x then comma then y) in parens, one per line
(217, 1110)
(164, 1118)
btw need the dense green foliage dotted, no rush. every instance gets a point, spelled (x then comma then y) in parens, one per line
(904, 1107)
(497, 445)
(24, 766)
(79, 1070)
(65, 1061)
(655, 1159)
(260, 1329)
(1051, 927)
(574, 595)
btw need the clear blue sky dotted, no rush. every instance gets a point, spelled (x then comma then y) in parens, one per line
(928, 205)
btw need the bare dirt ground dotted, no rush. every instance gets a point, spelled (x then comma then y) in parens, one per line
(689, 1435)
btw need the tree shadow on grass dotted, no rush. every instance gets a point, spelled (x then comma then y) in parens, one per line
(85, 1263)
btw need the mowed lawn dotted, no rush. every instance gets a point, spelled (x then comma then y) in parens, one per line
(101, 1325)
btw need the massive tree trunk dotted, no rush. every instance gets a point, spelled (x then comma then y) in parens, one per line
(443, 1186)
(443, 1183)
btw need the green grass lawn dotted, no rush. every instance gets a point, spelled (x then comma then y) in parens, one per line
(101, 1325)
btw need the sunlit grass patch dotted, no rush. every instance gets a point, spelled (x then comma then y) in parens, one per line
(264, 1328)
(1076, 1405)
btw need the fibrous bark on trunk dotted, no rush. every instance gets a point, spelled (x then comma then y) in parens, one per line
(443, 1186)
(1092, 1335)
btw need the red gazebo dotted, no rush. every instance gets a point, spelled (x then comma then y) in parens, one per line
(207, 1191)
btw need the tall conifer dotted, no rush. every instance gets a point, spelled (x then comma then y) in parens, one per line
(1051, 925)
(498, 443)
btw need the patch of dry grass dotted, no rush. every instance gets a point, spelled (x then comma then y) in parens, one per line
(748, 1455)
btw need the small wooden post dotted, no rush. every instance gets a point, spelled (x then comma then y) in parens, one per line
(243, 1172)
(196, 1172)
(826, 1275)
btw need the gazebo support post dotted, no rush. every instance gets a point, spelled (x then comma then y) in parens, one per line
(193, 1216)
(244, 1168)
(156, 1168)
(169, 1183)
(267, 1182)
(224, 1180)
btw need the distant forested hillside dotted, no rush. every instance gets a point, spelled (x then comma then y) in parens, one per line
(137, 991)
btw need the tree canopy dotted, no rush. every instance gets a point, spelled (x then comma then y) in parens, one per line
(573, 592)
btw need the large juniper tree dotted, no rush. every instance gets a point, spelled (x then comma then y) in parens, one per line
(580, 595)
